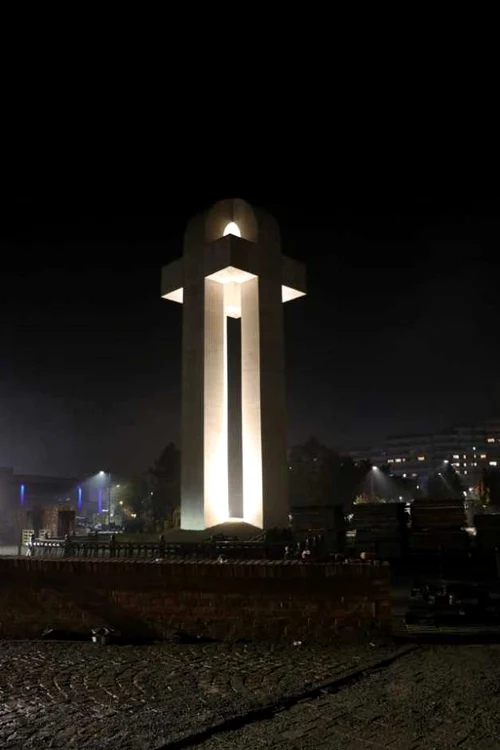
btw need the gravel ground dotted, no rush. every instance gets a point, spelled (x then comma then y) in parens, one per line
(434, 698)
(77, 695)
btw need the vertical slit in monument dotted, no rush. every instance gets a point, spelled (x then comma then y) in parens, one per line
(235, 451)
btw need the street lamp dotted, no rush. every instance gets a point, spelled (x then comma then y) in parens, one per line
(102, 473)
(372, 482)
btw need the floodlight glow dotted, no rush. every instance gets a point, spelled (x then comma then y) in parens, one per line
(21, 494)
(232, 228)
(79, 502)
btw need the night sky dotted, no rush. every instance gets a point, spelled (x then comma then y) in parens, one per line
(399, 331)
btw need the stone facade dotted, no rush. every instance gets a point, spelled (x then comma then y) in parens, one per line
(231, 600)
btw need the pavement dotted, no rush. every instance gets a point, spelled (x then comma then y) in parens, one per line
(433, 698)
(80, 695)
(218, 696)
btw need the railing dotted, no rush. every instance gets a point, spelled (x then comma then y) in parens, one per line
(158, 550)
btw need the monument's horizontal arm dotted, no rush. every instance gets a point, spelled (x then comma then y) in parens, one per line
(172, 277)
(293, 275)
(232, 260)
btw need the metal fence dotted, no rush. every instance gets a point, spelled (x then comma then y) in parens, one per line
(155, 550)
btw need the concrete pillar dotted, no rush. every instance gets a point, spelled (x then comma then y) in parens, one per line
(204, 470)
(273, 405)
(216, 481)
(263, 404)
(250, 404)
(193, 356)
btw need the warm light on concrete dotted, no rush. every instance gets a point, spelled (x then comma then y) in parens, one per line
(288, 294)
(232, 266)
(232, 228)
(176, 296)
(251, 405)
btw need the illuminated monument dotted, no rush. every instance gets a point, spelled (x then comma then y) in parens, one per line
(232, 266)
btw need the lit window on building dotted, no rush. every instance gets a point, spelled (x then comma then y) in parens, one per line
(457, 465)
(456, 456)
(421, 458)
(465, 471)
(398, 460)
(490, 440)
(390, 460)
(493, 463)
(483, 455)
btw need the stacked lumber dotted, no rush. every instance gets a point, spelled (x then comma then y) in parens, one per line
(487, 532)
(438, 524)
(380, 528)
(318, 518)
(326, 520)
(428, 514)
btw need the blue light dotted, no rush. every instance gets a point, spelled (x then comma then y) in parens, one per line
(21, 494)
(99, 504)
(79, 498)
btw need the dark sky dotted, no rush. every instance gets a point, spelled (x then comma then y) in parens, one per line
(399, 331)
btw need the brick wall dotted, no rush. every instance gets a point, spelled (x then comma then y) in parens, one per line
(230, 600)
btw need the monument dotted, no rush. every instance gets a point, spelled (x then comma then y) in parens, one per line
(232, 266)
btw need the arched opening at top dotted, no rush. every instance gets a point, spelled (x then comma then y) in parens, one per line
(232, 228)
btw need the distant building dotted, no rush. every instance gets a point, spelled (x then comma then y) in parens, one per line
(24, 493)
(469, 449)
